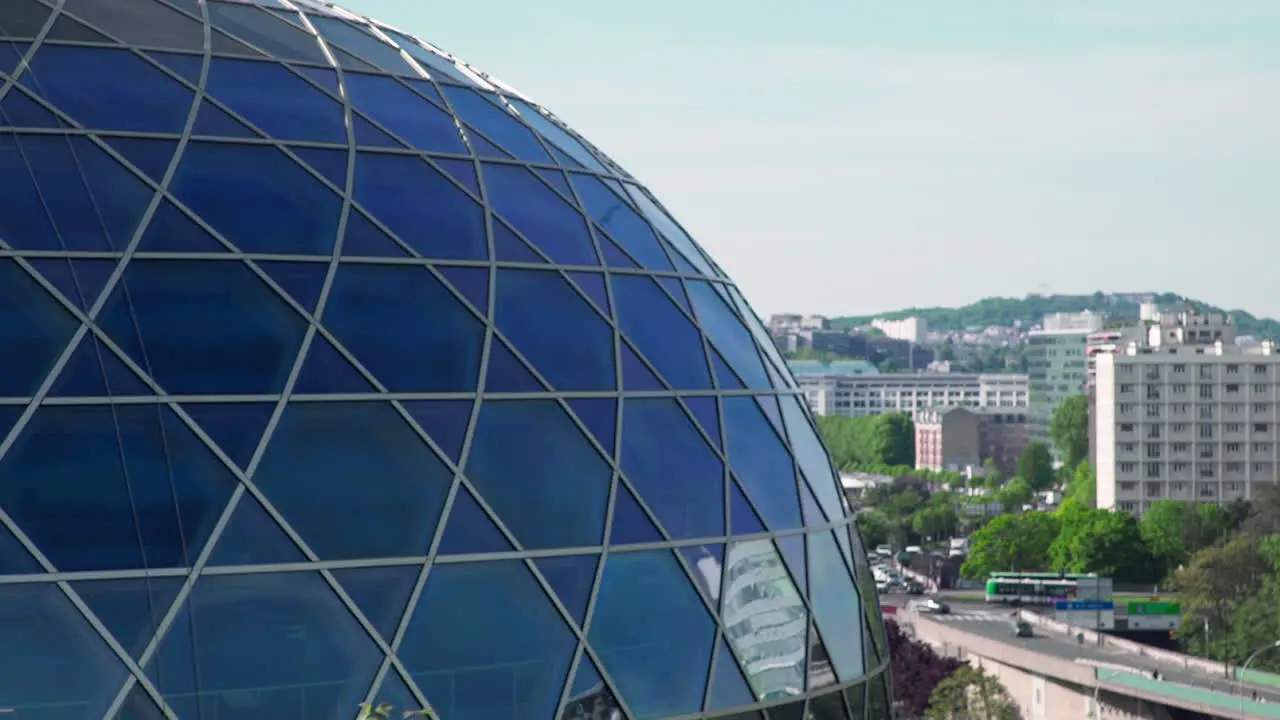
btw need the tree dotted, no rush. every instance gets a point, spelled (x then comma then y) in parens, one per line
(1215, 585)
(1083, 485)
(971, 694)
(991, 475)
(1264, 514)
(916, 670)
(1110, 544)
(935, 521)
(1015, 494)
(897, 434)
(1011, 542)
(1035, 465)
(875, 527)
(1175, 530)
(1069, 430)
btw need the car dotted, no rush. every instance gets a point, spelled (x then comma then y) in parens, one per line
(882, 586)
(915, 587)
(1020, 629)
(931, 607)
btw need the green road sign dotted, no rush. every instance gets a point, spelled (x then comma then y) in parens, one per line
(1155, 608)
(904, 557)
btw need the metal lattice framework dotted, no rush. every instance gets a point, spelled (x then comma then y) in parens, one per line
(334, 370)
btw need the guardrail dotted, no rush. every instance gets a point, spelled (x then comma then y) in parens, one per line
(1210, 698)
(1099, 639)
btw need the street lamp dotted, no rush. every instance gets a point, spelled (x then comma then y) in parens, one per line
(1245, 666)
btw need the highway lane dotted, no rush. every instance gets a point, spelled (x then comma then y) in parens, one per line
(1064, 648)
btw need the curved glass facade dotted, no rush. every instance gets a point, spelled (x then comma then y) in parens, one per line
(335, 371)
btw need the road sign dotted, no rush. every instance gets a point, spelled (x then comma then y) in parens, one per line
(1078, 605)
(1155, 608)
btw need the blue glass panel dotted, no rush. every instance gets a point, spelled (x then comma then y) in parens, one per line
(837, 607)
(151, 156)
(728, 688)
(426, 210)
(156, 495)
(589, 697)
(471, 282)
(614, 256)
(263, 645)
(332, 164)
(258, 198)
(213, 121)
(93, 370)
(381, 593)
(809, 506)
(630, 523)
(464, 171)
(347, 61)
(636, 375)
(34, 329)
(595, 287)
(726, 378)
(437, 66)
(557, 180)
(673, 468)
(14, 558)
(277, 101)
(705, 567)
(581, 360)
(666, 337)
(108, 89)
(424, 88)
(470, 530)
(362, 44)
(80, 280)
(131, 609)
(812, 456)
(621, 222)
(328, 371)
(301, 281)
(11, 54)
(675, 289)
(405, 113)
(281, 39)
(67, 28)
(186, 66)
(395, 692)
(670, 230)
(406, 328)
(856, 697)
(363, 238)
(95, 203)
(763, 339)
(765, 467)
(496, 123)
(331, 464)
(67, 670)
(742, 517)
(236, 428)
(600, 416)
(657, 674)
(765, 618)
(769, 404)
(706, 412)
(369, 135)
(444, 421)
(507, 373)
(550, 487)
(570, 578)
(476, 658)
(821, 674)
(222, 44)
(727, 332)
(203, 327)
(790, 711)
(549, 130)
(20, 111)
(793, 554)
(539, 213)
(253, 537)
(509, 247)
(172, 230)
(486, 149)
(24, 19)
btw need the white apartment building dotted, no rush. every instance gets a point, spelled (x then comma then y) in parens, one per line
(910, 329)
(1192, 422)
(862, 395)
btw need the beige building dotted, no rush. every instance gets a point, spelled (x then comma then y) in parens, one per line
(862, 395)
(910, 329)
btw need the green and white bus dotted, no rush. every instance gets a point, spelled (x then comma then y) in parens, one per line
(1011, 588)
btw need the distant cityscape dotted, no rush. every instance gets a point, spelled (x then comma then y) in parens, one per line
(1181, 406)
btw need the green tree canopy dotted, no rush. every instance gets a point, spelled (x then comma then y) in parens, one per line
(1110, 544)
(875, 528)
(1175, 530)
(1083, 485)
(936, 521)
(1215, 588)
(1011, 542)
(1015, 493)
(1069, 429)
(875, 440)
(971, 694)
(1035, 465)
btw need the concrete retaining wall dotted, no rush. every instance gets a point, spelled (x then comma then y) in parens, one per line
(1049, 625)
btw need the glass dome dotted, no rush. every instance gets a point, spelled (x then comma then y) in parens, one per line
(335, 371)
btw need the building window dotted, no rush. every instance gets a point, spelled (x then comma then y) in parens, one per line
(1260, 427)
(1234, 427)
(1206, 392)
(1233, 369)
(1179, 369)
(1153, 450)
(1205, 431)
(1153, 470)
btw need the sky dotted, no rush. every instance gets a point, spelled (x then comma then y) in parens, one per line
(858, 156)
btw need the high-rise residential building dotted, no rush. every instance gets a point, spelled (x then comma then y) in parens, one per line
(862, 395)
(911, 329)
(335, 371)
(1056, 366)
(1185, 415)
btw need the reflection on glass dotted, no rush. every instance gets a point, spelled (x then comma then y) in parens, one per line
(765, 619)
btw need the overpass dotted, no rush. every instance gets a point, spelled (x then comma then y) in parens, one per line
(1058, 673)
